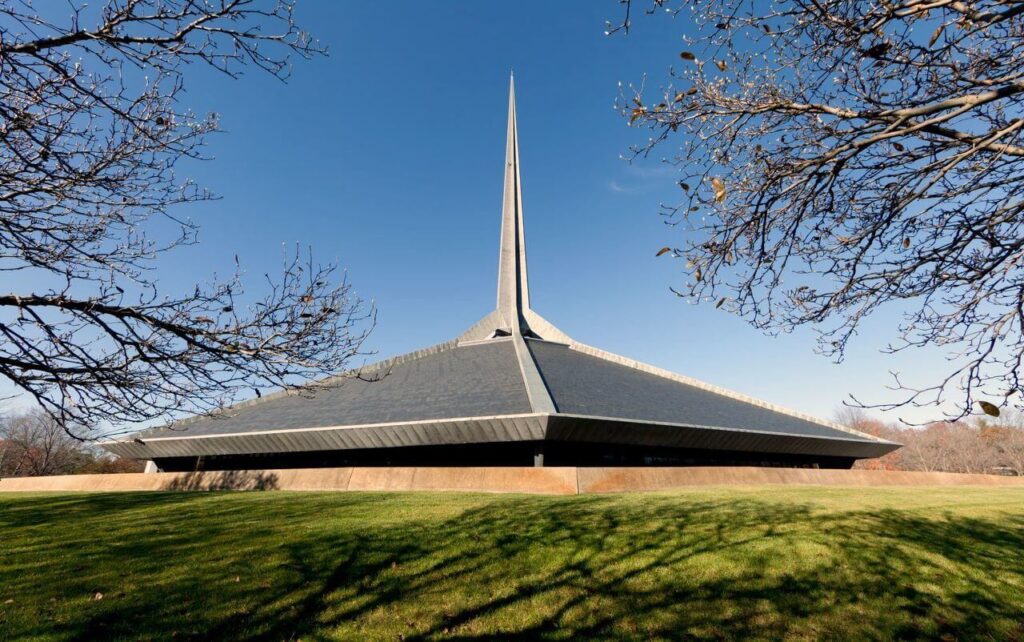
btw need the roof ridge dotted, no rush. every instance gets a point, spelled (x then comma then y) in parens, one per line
(540, 397)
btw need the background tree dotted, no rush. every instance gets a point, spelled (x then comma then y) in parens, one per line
(1007, 435)
(92, 126)
(34, 443)
(981, 445)
(840, 156)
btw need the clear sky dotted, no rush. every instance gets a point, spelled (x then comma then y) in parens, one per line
(387, 156)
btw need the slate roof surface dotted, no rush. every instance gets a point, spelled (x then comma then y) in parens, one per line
(465, 381)
(586, 385)
(484, 379)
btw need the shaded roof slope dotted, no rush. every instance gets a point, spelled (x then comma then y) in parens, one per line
(464, 381)
(582, 384)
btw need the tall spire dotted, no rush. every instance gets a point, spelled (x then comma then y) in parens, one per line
(512, 315)
(513, 290)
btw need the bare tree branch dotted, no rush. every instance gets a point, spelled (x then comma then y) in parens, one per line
(92, 127)
(837, 157)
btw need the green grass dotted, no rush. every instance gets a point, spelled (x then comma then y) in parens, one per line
(719, 563)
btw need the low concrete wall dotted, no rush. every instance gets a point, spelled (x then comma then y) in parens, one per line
(615, 480)
(547, 481)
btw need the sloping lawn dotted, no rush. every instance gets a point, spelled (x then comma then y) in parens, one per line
(718, 563)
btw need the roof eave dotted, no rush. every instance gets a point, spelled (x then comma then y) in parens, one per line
(496, 429)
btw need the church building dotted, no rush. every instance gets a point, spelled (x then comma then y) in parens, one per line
(512, 390)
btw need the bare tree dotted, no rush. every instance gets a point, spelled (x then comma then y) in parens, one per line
(1007, 434)
(984, 445)
(33, 443)
(36, 444)
(92, 126)
(840, 156)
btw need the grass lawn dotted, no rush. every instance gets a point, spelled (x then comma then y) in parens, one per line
(720, 563)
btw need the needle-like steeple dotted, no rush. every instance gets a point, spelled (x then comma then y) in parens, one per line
(513, 290)
(512, 315)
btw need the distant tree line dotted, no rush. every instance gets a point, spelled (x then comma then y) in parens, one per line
(987, 445)
(33, 443)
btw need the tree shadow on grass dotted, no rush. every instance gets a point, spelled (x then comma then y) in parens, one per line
(347, 566)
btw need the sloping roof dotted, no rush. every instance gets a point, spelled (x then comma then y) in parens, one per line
(479, 387)
(463, 381)
(582, 384)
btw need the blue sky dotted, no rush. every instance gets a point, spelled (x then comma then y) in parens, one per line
(387, 157)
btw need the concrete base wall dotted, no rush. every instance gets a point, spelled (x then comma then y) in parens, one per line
(614, 480)
(548, 481)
